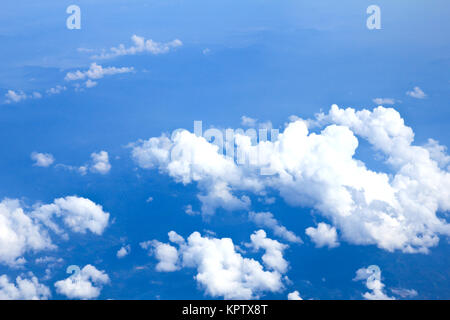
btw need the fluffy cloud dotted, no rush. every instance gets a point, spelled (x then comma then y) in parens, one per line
(95, 72)
(416, 93)
(17, 96)
(383, 101)
(77, 213)
(396, 210)
(19, 233)
(23, 232)
(86, 284)
(24, 289)
(188, 158)
(323, 235)
(294, 296)
(140, 46)
(90, 84)
(56, 90)
(166, 255)
(123, 252)
(266, 220)
(372, 276)
(221, 270)
(100, 162)
(42, 159)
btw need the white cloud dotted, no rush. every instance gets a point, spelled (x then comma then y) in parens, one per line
(248, 122)
(90, 84)
(266, 220)
(86, 284)
(13, 96)
(24, 289)
(124, 251)
(166, 255)
(100, 162)
(416, 93)
(188, 210)
(140, 46)
(395, 210)
(79, 214)
(273, 256)
(323, 235)
(384, 101)
(36, 95)
(95, 72)
(27, 232)
(221, 270)
(192, 159)
(19, 233)
(404, 293)
(56, 90)
(372, 276)
(42, 159)
(17, 96)
(294, 296)
(438, 153)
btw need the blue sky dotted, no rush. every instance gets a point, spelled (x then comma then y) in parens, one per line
(266, 60)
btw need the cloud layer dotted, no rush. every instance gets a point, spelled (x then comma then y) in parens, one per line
(395, 210)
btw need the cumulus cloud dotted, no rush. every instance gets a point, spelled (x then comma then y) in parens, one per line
(95, 72)
(140, 45)
(166, 255)
(90, 84)
(189, 158)
(372, 276)
(17, 96)
(19, 233)
(221, 270)
(294, 296)
(395, 210)
(384, 101)
(86, 284)
(266, 220)
(323, 235)
(42, 159)
(124, 251)
(56, 90)
(27, 288)
(416, 93)
(248, 122)
(77, 213)
(24, 232)
(100, 162)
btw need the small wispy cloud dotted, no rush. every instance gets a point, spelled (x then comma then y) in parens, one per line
(140, 45)
(416, 93)
(384, 101)
(95, 72)
(248, 122)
